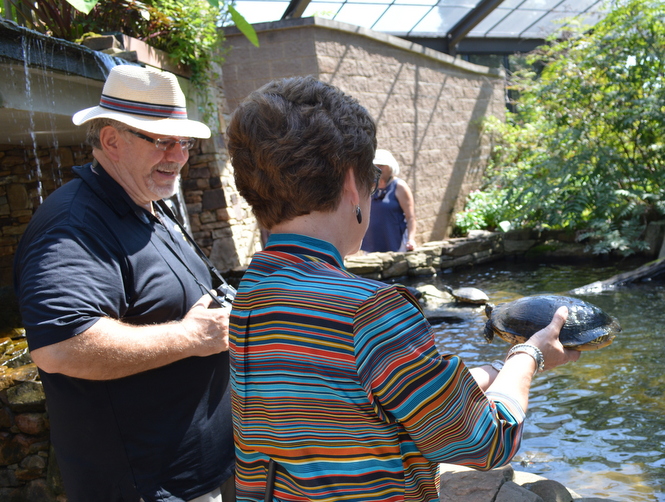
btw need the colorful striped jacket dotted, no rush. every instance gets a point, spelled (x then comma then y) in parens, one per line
(337, 379)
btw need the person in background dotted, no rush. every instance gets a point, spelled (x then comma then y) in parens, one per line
(392, 226)
(336, 380)
(115, 305)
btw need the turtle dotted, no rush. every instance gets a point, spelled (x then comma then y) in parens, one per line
(587, 327)
(468, 295)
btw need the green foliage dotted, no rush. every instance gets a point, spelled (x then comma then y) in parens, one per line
(484, 210)
(586, 146)
(56, 18)
(187, 30)
(242, 24)
(191, 36)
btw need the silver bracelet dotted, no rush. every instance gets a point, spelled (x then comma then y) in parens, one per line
(533, 351)
(497, 364)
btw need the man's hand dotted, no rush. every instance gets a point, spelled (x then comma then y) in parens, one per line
(207, 326)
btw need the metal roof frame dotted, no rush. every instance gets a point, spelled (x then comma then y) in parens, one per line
(447, 43)
(456, 40)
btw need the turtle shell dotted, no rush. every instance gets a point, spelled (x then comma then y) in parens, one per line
(468, 295)
(587, 327)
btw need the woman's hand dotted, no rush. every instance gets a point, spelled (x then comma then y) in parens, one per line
(514, 379)
(547, 340)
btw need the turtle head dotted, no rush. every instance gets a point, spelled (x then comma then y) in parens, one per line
(489, 332)
(448, 289)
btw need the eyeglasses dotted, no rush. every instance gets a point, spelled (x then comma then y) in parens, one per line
(377, 177)
(166, 144)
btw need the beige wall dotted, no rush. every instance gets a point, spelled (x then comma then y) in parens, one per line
(428, 106)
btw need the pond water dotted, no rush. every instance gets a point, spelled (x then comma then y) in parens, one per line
(597, 425)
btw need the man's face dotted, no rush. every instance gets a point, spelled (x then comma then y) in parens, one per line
(149, 173)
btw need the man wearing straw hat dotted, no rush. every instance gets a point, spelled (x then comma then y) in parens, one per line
(115, 304)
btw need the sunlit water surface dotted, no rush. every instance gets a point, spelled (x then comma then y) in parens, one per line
(597, 425)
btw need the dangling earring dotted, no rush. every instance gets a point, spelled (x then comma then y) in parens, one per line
(359, 214)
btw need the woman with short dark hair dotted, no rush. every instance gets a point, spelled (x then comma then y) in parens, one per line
(336, 378)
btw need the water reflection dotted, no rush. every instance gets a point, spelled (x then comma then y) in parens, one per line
(598, 425)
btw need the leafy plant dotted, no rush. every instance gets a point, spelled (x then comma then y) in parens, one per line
(585, 148)
(188, 30)
(484, 210)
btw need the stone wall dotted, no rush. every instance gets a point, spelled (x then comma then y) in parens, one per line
(478, 247)
(27, 177)
(428, 106)
(28, 471)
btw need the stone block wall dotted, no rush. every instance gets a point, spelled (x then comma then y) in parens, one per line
(428, 106)
(27, 176)
(28, 471)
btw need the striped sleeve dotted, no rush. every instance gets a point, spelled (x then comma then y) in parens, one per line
(434, 397)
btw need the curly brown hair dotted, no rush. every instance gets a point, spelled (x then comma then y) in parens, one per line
(291, 144)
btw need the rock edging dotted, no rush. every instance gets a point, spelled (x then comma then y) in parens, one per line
(478, 247)
(503, 484)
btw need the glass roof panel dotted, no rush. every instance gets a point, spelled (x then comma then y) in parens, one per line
(492, 19)
(549, 23)
(261, 11)
(592, 17)
(415, 2)
(364, 15)
(578, 5)
(515, 23)
(511, 19)
(458, 3)
(400, 18)
(539, 4)
(510, 4)
(355, 2)
(322, 9)
(440, 20)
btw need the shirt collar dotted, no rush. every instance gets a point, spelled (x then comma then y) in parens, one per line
(303, 245)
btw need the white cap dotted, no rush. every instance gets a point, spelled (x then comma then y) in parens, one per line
(385, 158)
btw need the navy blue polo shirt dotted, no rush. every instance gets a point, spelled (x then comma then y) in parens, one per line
(163, 434)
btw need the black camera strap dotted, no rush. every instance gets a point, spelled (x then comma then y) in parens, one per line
(270, 481)
(225, 292)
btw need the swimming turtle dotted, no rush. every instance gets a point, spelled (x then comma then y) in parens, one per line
(468, 295)
(587, 327)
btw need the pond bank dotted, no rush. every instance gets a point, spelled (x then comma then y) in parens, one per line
(481, 247)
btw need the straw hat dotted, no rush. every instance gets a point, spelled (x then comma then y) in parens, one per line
(147, 99)
(385, 158)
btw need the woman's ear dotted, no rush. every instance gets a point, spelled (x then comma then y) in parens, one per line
(351, 188)
(109, 138)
